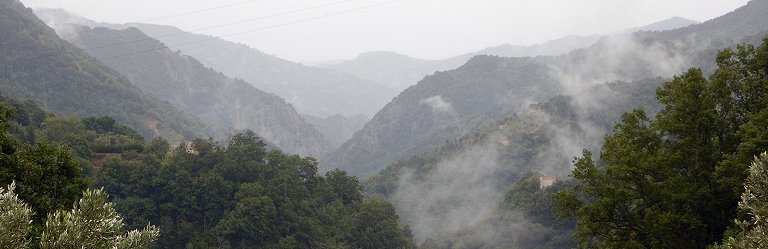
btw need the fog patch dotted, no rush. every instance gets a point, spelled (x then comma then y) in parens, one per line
(624, 57)
(438, 104)
(460, 191)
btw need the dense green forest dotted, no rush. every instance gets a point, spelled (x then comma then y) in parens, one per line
(242, 196)
(201, 195)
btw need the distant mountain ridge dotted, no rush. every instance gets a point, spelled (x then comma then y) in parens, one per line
(401, 71)
(450, 104)
(190, 86)
(314, 91)
(38, 65)
(664, 25)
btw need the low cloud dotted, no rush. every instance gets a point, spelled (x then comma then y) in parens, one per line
(438, 104)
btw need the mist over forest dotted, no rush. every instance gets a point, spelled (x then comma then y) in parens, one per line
(383, 124)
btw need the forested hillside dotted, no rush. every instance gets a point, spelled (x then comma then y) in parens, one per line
(242, 196)
(200, 195)
(38, 65)
(188, 85)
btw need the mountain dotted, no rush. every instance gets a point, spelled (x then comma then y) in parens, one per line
(337, 129)
(314, 91)
(461, 184)
(391, 69)
(444, 106)
(38, 65)
(189, 85)
(668, 24)
(448, 105)
(550, 48)
(400, 71)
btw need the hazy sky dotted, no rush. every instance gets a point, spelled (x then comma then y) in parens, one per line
(332, 29)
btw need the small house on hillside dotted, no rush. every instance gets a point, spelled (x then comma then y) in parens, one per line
(546, 181)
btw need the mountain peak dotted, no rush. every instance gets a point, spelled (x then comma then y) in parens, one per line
(671, 23)
(382, 55)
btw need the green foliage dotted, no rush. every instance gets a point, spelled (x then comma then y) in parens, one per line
(46, 176)
(158, 147)
(376, 226)
(65, 131)
(672, 182)
(754, 232)
(27, 117)
(243, 196)
(346, 187)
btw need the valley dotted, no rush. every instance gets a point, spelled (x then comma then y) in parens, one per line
(150, 133)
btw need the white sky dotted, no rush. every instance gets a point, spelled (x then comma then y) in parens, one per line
(431, 29)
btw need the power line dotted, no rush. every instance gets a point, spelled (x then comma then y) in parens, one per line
(223, 25)
(184, 13)
(254, 30)
(197, 11)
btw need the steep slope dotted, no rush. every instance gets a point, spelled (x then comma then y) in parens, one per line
(464, 99)
(314, 91)
(36, 64)
(190, 86)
